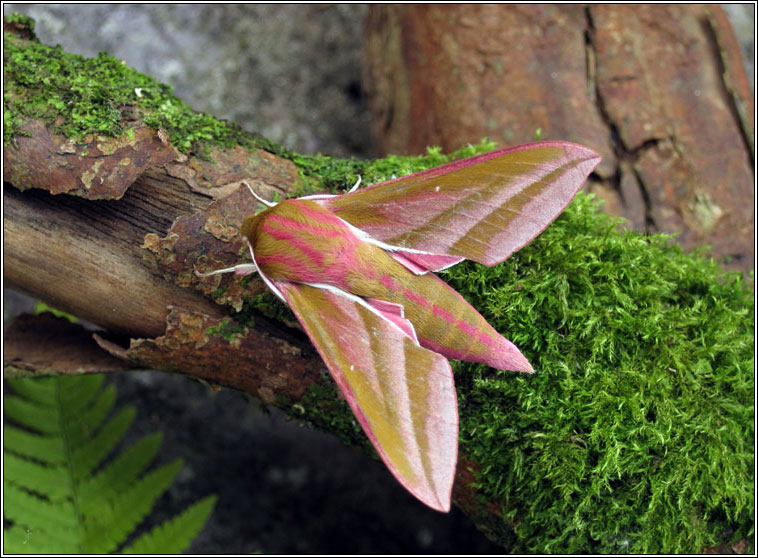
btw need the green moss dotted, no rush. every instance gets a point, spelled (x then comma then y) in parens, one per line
(21, 20)
(102, 95)
(270, 306)
(321, 172)
(229, 329)
(635, 434)
(323, 407)
(217, 293)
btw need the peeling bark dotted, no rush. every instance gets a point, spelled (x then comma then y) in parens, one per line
(658, 90)
(45, 344)
(95, 167)
(55, 245)
(266, 361)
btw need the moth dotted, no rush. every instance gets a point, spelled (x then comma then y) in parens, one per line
(357, 270)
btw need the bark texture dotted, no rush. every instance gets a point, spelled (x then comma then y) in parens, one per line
(659, 91)
(143, 249)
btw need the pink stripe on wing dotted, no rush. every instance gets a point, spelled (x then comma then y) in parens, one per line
(417, 298)
(390, 283)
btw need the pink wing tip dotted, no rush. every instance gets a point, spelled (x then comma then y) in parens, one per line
(589, 158)
(510, 358)
(427, 495)
(442, 506)
(520, 364)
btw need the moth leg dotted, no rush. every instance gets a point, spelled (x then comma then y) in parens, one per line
(257, 197)
(241, 269)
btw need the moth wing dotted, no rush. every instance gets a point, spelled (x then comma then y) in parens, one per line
(483, 208)
(402, 394)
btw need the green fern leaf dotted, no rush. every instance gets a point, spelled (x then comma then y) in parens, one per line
(84, 459)
(108, 528)
(92, 417)
(32, 415)
(40, 307)
(46, 449)
(174, 535)
(77, 394)
(42, 391)
(52, 482)
(22, 540)
(29, 510)
(54, 501)
(118, 475)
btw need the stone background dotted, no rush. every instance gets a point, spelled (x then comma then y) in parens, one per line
(291, 73)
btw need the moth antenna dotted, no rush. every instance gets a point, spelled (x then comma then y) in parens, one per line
(241, 269)
(355, 186)
(257, 197)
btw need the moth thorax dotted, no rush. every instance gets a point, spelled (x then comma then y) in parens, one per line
(250, 226)
(296, 241)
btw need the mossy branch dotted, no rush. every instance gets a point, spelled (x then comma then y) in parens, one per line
(634, 435)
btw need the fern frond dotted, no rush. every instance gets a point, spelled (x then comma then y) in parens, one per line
(118, 475)
(24, 508)
(108, 528)
(47, 449)
(52, 482)
(76, 394)
(174, 535)
(23, 540)
(53, 502)
(85, 458)
(42, 392)
(33, 415)
(80, 430)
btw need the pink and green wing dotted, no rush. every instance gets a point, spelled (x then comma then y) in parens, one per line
(483, 208)
(402, 394)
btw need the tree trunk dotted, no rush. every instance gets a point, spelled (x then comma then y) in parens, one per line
(659, 91)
